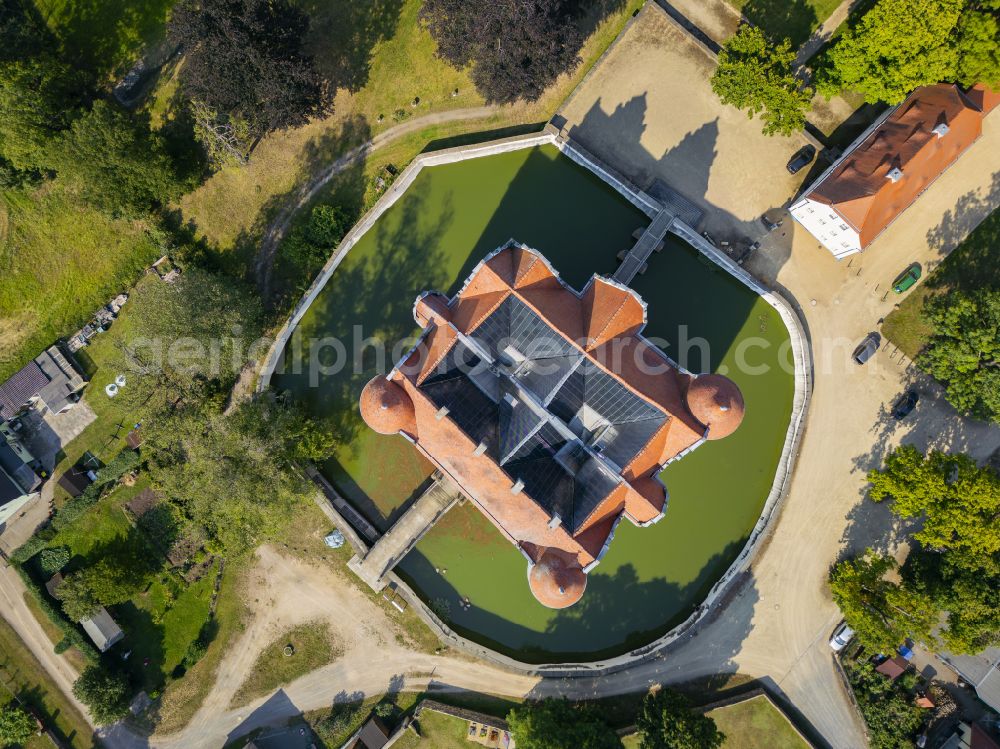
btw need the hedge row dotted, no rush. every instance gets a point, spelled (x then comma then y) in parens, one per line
(71, 635)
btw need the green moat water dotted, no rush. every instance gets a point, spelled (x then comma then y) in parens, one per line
(651, 578)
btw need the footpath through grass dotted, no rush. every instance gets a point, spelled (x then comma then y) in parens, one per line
(974, 264)
(22, 675)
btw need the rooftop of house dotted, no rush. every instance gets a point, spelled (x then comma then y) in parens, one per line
(49, 376)
(549, 409)
(16, 478)
(884, 173)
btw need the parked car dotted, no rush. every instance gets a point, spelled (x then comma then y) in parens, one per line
(801, 159)
(906, 279)
(841, 636)
(867, 348)
(905, 405)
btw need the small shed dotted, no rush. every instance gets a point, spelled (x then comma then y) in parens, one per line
(373, 735)
(52, 586)
(102, 629)
(75, 480)
(893, 667)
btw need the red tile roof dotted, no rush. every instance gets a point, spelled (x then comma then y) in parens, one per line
(861, 187)
(598, 330)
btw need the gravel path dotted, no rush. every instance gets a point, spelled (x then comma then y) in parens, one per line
(264, 262)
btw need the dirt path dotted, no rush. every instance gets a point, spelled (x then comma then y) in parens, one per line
(274, 233)
(17, 614)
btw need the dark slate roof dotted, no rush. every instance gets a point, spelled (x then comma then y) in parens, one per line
(546, 414)
(20, 388)
(374, 734)
(16, 479)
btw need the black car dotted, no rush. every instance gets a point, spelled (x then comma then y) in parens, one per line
(867, 348)
(905, 405)
(802, 158)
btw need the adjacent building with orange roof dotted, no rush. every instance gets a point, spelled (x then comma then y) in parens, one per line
(549, 409)
(886, 169)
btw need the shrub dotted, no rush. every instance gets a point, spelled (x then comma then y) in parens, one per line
(105, 692)
(50, 561)
(70, 632)
(127, 460)
(28, 549)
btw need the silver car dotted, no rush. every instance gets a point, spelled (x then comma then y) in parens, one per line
(841, 636)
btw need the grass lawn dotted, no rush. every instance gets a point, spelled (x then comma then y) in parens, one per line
(104, 36)
(59, 261)
(312, 645)
(794, 19)
(437, 731)
(162, 621)
(231, 208)
(970, 266)
(21, 674)
(756, 724)
(450, 217)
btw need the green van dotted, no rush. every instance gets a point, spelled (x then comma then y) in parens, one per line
(906, 279)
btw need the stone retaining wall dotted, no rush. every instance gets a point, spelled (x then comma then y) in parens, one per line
(638, 198)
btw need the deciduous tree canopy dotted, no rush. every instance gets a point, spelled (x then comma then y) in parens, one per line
(244, 60)
(16, 726)
(516, 47)
(667, 721)
(964, 351)
(756, 75)
(952, 572)
(900, 45)
(106, 693)
(115, 161)
(557, 724)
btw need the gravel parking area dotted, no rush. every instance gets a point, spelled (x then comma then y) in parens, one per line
(649, 111)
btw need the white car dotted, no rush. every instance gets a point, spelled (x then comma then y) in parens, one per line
(841, 636)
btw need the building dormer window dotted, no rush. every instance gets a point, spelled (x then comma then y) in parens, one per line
(940, 130)
(895, 174)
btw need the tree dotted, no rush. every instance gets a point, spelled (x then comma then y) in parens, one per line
(900, 45)
(16, 726)
(958, 502)
(557, 724)
(978, 49)
(115, 161)
(964, 350)
(233, 473)
(226, 139)
(37, 106)
(188, 340)
(881, 612)
(77, 599)
(105, 692)
(756, 75)
(666, 721)
(50, 561)
(244, 62)
(516, 48)
(892, 718)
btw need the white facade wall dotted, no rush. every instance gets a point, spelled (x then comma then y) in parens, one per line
(828, 226)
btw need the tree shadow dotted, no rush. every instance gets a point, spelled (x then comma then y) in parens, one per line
(330, 153)
(971, 240)
(933, 425)
(102, 36)
(343, 34)
(618, 613)
(277, 709)
(783, 19)
(370, 298)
